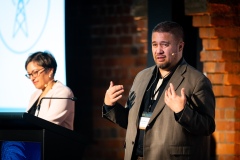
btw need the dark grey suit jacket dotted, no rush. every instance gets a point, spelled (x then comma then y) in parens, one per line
(168, 138)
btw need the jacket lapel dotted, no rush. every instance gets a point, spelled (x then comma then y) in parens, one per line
(140, 88)
(33, 99)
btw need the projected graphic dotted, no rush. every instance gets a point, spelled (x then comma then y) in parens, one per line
(20, 19)
(20, 32)
(27, 26)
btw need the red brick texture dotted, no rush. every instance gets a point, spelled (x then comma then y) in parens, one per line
(219, 29)
(119, 44)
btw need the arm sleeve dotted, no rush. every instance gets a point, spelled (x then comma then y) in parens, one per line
(116, 114)
(199, 112)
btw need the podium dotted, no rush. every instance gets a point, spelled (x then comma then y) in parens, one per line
(56, 141)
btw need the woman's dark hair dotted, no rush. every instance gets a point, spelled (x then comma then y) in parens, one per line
(170, 27)
(44, 59)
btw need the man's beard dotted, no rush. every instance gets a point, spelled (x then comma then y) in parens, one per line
(164, 65)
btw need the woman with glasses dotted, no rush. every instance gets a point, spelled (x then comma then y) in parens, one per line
(52, 101)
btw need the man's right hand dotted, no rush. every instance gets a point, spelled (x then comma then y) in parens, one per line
(113, 94)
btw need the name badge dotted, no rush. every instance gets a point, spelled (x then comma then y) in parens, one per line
(144, 120)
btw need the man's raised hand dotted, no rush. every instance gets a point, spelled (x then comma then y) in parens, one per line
(113, 94)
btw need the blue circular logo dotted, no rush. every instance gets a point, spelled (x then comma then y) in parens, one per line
(22, 28)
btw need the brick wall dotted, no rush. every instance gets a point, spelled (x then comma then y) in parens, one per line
(219, 29)
(119, 52)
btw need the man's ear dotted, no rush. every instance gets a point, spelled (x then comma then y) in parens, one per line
(180, 47)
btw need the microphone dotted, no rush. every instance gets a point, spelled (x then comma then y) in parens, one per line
(39, 105)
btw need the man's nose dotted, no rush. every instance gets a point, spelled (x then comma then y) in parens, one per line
(159, 49)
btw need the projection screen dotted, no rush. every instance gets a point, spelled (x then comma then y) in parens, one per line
(27, 26)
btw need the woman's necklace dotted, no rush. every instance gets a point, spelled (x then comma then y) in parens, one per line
(45, 90)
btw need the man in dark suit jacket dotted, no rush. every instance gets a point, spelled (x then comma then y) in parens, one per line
(171, 106)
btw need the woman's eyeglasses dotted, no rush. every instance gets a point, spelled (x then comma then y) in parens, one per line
(34, 74)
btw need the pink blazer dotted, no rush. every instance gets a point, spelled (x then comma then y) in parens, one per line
(58, 111)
